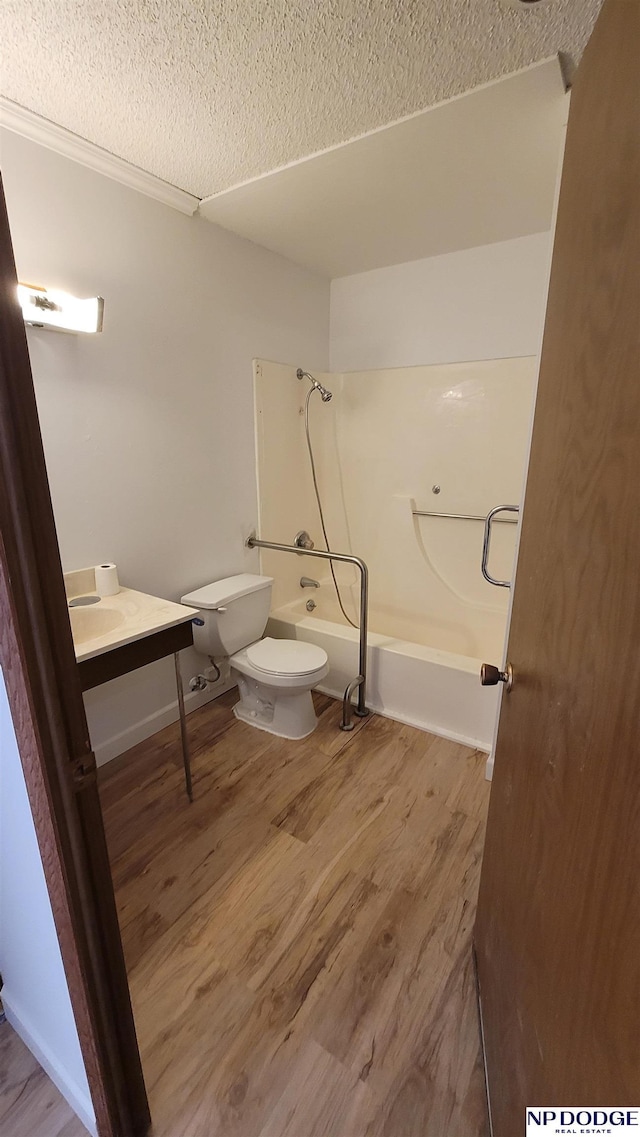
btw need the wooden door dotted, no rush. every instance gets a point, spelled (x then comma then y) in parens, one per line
(43, 687)
(558, 928)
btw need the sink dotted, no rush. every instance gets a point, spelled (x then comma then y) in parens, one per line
(102, 624)
(89, 623)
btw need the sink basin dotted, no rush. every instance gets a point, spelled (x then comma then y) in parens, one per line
(112, 622)
(89, 623)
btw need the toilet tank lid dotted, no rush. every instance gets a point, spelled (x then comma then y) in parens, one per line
(222, 592)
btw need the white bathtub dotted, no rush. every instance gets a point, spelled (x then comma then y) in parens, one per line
(429, 688)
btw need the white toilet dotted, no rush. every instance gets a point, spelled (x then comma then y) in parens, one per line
(275, 677)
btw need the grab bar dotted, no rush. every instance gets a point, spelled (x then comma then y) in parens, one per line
(464, 516)
(487, 541)
(360, 681)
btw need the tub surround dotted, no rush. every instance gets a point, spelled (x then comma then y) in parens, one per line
(448, 438)
(385, 439)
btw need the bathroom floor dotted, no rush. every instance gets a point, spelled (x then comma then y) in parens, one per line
(30, 1104)
(298, 940)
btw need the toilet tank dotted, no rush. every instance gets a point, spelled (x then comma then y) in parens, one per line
(234, 612)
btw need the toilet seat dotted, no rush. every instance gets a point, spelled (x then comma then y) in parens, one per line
(286, 657)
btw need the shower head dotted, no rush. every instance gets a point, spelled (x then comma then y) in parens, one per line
(326, 395)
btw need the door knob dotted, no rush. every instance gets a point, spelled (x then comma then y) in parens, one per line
(490, 676)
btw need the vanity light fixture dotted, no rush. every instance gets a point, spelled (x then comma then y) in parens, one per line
(50, 308)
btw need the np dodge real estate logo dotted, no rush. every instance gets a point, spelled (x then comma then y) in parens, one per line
(580, 1120)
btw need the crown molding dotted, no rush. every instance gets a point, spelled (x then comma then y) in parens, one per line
(22, 121)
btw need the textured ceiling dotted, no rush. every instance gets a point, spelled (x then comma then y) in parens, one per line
(405, 193)
(209, 93)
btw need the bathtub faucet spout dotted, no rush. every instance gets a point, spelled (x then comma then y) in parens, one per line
(307, 582)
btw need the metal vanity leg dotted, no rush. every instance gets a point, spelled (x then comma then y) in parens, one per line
(186, 758)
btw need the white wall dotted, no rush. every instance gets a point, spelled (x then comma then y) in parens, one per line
(35, 994)
(482, 303)
(148, 428)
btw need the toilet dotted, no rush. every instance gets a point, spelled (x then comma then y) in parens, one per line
(275, 677)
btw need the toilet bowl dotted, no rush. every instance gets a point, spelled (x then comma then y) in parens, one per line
(275, 677)
(275, 680)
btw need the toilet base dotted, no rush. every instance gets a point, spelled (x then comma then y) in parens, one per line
(287, 714)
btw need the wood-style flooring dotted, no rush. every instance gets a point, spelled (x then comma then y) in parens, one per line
(30, 1104)
(298, 940)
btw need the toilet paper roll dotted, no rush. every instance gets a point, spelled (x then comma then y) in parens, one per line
(107, 583)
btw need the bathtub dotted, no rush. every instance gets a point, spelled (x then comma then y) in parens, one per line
(426, 687)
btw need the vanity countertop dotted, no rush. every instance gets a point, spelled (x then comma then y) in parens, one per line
(117, 620)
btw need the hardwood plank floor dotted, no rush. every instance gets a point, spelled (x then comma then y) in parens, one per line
(30, 1104)
(298, 939)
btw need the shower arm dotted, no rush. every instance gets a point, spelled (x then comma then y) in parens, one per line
(360, 682)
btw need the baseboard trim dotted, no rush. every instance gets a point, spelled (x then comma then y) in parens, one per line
(428, 728)
(122, 741)
(79, 1102)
